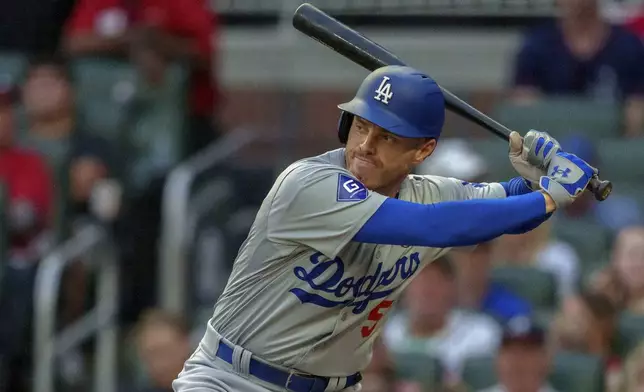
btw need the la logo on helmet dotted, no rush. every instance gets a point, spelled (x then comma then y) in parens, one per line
(383, 92)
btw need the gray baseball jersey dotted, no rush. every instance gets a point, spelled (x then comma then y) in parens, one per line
(302, 294)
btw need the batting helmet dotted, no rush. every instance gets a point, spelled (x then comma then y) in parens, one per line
(402, 100)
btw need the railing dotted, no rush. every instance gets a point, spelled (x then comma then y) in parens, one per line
(179, 211)
(409, 7)
(92, 246)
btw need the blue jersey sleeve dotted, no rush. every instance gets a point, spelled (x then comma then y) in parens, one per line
(451, 223)
(518, 186)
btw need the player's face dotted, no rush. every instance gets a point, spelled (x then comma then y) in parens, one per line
(380, 159)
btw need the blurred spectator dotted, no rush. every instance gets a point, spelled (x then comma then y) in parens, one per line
(635, 21)
(30, 190)
(379, 376)
(523, 361)
(153, 33)
(537, 248)
(593, 59)
(56, 131)
(607, 282)
(632, 377)
(586, 323)
(476, 292)
(163, 345)
(628, 261)
(32, 26)
(614, 213)
(431, 324)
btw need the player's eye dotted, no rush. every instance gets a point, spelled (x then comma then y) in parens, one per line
(388, 138)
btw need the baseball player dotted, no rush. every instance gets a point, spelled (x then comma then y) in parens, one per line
(340, 235)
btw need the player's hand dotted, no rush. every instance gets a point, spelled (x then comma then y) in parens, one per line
(567, 178)
(531, 155)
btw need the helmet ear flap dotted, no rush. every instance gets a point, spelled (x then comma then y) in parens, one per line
(344, 124)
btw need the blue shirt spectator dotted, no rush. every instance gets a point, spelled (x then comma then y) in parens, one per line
(581, 54)
(503, 304)
(477, 292)
(614, 72)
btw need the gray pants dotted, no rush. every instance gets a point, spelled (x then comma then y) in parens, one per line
(204, 372)
(201, 373)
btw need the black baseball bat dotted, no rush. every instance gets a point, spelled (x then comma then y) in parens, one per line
(346, 41)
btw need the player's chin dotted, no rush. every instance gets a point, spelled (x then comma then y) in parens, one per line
(366, 176)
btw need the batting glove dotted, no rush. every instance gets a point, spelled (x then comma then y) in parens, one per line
(568, 176)
(531, 155)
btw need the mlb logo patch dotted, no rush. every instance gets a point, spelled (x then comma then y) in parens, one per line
(350, 189)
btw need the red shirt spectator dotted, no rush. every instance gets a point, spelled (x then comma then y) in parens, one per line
(111, 20)
(636, 25)
(24, 173)
(27, 178)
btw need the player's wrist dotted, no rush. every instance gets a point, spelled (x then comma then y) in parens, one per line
(551, 206)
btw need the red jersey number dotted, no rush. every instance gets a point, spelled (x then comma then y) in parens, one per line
(375, 315)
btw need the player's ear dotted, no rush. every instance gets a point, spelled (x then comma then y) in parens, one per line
(425, 149)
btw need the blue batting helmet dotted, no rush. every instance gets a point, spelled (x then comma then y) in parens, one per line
(400, 99)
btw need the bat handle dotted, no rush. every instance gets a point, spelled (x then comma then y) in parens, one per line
(601, 189)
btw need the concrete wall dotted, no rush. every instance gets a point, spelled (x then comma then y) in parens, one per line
(285, 58)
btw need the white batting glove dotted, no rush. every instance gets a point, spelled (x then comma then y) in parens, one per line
(531, 155)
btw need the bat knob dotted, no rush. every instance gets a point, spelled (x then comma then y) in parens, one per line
(601, 189)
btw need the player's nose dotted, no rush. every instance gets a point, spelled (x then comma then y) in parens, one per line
(369, 143)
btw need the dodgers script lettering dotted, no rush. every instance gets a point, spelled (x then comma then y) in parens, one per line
(328, 277)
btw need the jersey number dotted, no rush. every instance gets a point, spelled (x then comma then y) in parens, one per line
(375, 315)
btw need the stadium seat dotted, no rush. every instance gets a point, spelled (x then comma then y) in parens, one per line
(495, 153)
(536, 286)
(575, 372)
(105, 90)
(590, 240)
(570, 372)
(631, 189)
(421, 368)
(562, 116)
(12, 68)
(479, 373)
(157, 138)
(630, 331)
(622, 159)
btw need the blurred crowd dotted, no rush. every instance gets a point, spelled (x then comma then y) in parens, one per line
(62, 170)
(558, 309)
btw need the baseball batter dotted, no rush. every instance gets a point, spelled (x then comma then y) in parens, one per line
(340, 235)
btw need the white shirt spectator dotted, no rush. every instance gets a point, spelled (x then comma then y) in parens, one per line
(560, 259)
(465, 335)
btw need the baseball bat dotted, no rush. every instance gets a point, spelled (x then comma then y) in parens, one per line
(344, 40)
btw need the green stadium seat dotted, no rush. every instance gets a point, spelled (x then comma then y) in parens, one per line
(570, 372)
(622, 159)
(630, 332)
(495, 153)
(479, 373)
(562, 116)
(12, 68)
(575, 372)
(105, 90)
(157, 139)
(421, 368)
(590, 240)
(534, 285)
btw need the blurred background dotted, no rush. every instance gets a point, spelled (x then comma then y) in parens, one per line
(139, 137)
